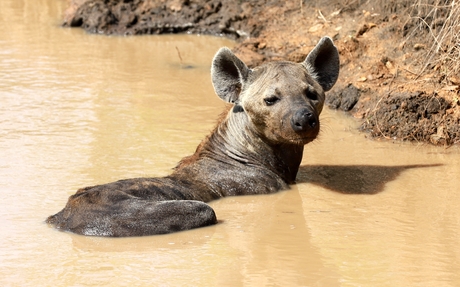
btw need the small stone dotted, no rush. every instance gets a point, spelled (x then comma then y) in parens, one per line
(419, 46)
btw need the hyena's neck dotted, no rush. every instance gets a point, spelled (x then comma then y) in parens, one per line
(235, 139)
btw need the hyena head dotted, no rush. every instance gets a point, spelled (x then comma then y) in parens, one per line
(282, 99)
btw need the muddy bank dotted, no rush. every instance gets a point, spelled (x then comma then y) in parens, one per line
(136, 17)
(386, 82)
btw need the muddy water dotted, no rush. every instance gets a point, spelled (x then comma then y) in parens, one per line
(78, 109)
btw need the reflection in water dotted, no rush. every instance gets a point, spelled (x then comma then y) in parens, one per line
(357, 179)
(79, 109)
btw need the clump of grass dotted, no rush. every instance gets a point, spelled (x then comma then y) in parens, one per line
(439, 21)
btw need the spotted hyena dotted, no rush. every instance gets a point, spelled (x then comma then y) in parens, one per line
(256, 148)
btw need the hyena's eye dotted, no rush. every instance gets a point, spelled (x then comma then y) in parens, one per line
(270, 101)
(311, 94)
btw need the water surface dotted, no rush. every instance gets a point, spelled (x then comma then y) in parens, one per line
(79, 109)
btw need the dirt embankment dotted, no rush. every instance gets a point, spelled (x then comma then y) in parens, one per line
(392, 77)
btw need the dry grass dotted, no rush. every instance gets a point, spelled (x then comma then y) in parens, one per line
(439, 23)
(435, 23)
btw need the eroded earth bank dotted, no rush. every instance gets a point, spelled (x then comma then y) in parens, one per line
(399, 60)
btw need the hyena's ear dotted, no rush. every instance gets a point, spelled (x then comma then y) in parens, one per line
(323, 63)
(228, 74)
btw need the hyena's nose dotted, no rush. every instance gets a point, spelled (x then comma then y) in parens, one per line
(303, 120)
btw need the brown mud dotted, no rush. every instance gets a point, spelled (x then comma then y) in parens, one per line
(386, 81)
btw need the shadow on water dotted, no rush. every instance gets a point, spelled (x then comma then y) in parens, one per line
(353, 179)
